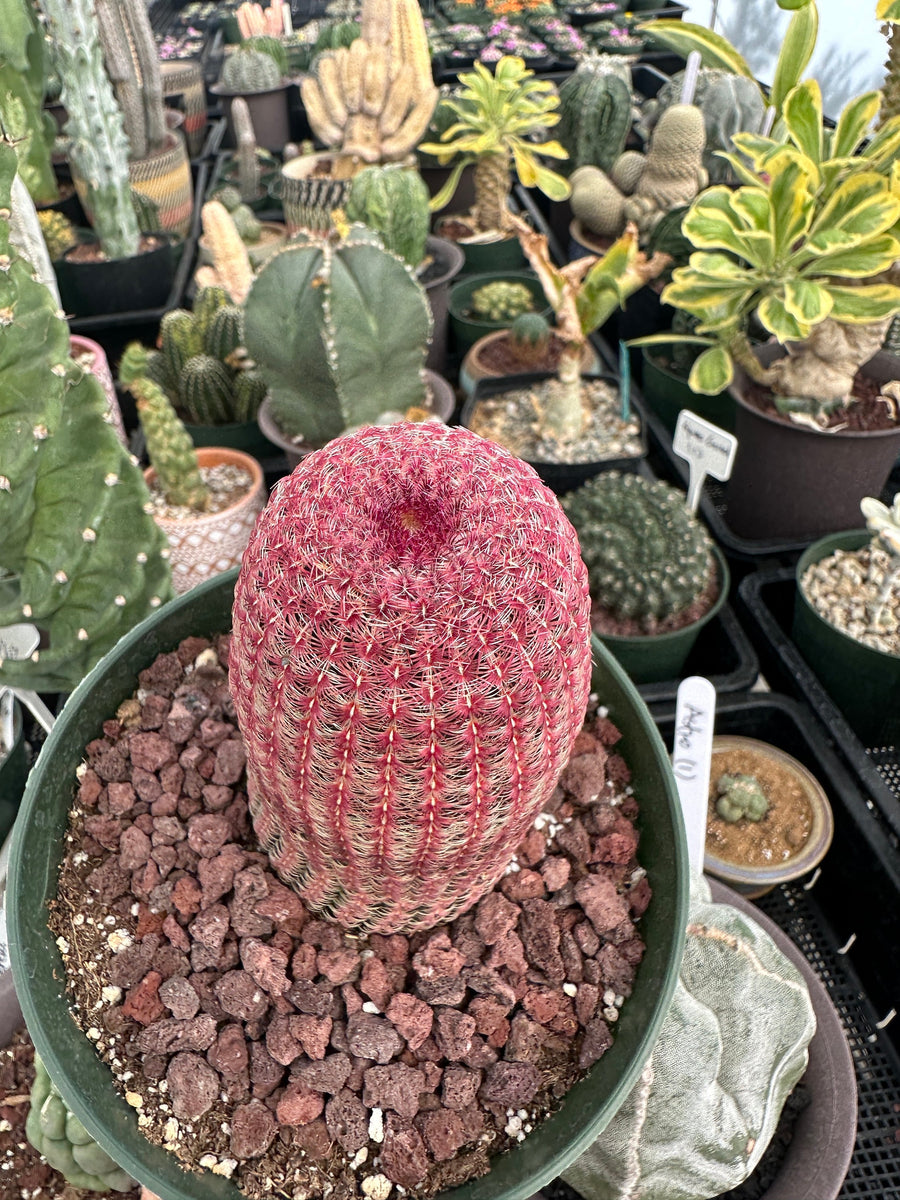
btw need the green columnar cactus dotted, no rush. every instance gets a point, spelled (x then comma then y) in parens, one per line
(98, 145)
(249, 71)
(206, 390)
(22, 89)
(247, 157)
(87, 561)
(132, 63)
(647, 557)
(58, 231)
(529, 337)
(594, 117)
(331, 350)
(392, 200)
(740, 797)
(249, 392)
(169, 448)
(179, 340)
(246, 221)
(502, 301)
(59, 1136)
(224, 333)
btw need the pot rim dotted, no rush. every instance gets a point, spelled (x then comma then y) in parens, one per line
(589, 355)
(213, 456)
(219, 89)
(813, 849)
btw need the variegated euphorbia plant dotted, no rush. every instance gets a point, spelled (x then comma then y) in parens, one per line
(803, 246)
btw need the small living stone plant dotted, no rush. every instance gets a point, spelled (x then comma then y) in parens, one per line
(740, 798)
(858, 591)
(501, 300)
(649, 559)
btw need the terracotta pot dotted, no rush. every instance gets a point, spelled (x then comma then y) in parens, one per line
(209, 543)
(474, 366)
(442, 404)
(99, 368)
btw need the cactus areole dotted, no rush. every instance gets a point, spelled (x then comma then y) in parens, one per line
(410, 667)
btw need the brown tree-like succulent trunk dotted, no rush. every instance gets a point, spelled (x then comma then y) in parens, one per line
(492, 192)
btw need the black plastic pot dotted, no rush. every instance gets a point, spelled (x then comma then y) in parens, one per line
(501, 254)
(450, 259)
(118, 285)
(667, 393)
(792, 481)
(863, 682)
(559, 477)
(650, 658)
(237, 435)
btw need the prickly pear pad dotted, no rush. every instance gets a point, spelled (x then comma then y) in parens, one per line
(410, 668)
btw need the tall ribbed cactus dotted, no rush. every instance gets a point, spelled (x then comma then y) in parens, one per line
(132, 63)
(339, 332)
(231, 267)
(247, 157)
(98, 146)
(409, 667)
(87, 558)
(22, 87)
(374, 98)
(169, 448)
(392, 200)
(647, 557)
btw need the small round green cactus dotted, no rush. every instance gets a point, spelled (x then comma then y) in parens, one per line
(248, 71)
(58, 231)
(502, 301)
(529, 337)
(59, 1136)
(741, 797)
(648, 558)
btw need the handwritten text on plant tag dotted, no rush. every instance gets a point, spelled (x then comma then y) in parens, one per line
(695, 710)
(708, 449)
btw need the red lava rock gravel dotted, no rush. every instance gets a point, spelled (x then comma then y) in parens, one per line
(258, 1040)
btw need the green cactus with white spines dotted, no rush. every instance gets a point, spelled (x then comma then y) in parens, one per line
(179, 340)
(594, 117)
(249, 392)
(225, 332)
(502, 301)
(392, 200)
(23, 85)
(740, 798)
(648, 558)
(206, 388)
(529, 337)
(57, 1134)
(169, 447)
(83, 560)
(332, 352)
(249, 71)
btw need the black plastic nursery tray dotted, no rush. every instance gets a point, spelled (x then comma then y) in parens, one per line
(766, 604)
(722, 653)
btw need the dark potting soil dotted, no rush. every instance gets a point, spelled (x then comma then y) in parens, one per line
(603, 621)
(500, 358)
(257, 1040)
(865, 414)
(91, 252)
(24, 1175)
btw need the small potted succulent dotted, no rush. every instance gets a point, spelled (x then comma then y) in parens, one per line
(253, 73)
(489, 301)
(529, 344)
(205, 501)
(494, 115)
(656, 576)
(847, 620)
(769, 819)
(508, 38)
(332, 354)
(569, 425)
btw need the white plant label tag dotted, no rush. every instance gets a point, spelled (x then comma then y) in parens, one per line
(708, 449)
(18, 642)
(695, 714)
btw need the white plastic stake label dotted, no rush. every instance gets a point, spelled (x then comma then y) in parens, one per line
(18, 642)
(695, 714)
(708, 449)
(691, 75)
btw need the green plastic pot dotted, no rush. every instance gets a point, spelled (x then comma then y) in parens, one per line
(863, 682)
(86, 1083)
(503, 254)
(667, 393)
(651, 658)
(468, 329)
(237, 435)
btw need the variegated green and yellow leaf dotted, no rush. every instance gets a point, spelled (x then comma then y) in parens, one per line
(860, 261)
(860, 207)
(683, 37)
(808, 302)
(712, 372)
(866, 304)
(853, 124)
(775, 317)
(803, 118)
(796, 51)
(793, 205)
(887, 10)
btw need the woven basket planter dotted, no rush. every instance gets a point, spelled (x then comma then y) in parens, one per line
(184, 78)
(209, 543)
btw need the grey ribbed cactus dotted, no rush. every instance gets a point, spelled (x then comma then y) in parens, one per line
(98, 147)
(594, 117)
(132, 63)
(247, 158)
(248, 71)
(647, 557)
(339, 332)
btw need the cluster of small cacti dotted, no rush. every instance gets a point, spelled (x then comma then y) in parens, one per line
(58, 231)
(740, 798)
(502, 300)
(247, 71)
(374, 98)
(246, 222)
(169, 447)
(356, 318)
(59, 1136)
(87, 560)
(256, 21)
(643, 188)
(372, 570)
(392, 200)
(594, 117)
(98, 145)
(201, 364)
(648, 558)
(529, 337)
